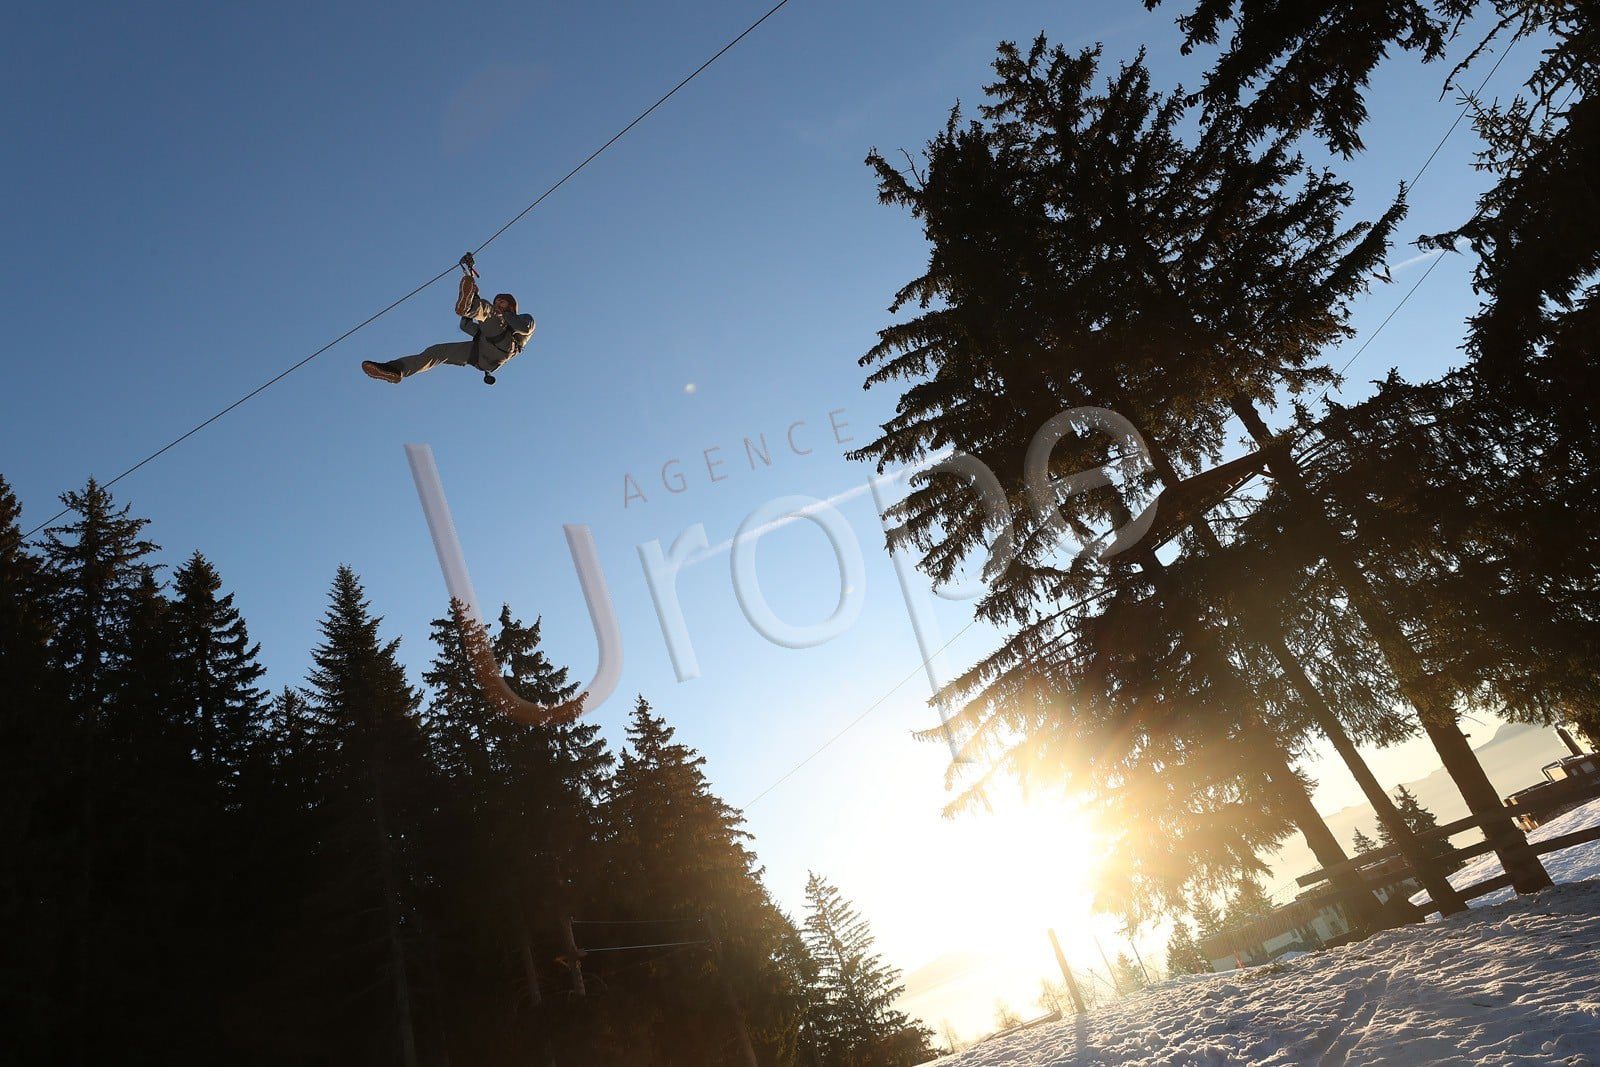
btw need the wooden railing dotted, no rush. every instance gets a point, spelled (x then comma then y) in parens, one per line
(1454, 856)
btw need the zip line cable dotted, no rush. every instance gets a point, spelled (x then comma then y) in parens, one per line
(630, 948)
(853, 723)
(1373, 336)
(590, 158)
(251, 395)
(668, 95)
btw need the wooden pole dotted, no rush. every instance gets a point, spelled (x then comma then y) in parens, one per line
(530, 974)
(1116, 983)
(746, 1049)
(1066, 972)
(573, 956)
(1140, 961)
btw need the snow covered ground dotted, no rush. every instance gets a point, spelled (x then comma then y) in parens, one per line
(1513, 982)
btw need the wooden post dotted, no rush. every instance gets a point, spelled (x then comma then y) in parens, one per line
(1066, 972)
(573, 956)
(1116, 983)
(530, 973)
(1140, 961)
(746, 1049)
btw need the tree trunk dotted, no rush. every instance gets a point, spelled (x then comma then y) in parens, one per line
(1435, 709)
(530, 974)
(391, 908)
(1361, 905)
(1423, 864)
(746, 1049)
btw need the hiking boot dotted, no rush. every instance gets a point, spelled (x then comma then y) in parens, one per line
(384, 372)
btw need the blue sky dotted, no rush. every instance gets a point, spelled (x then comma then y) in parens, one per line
(201, 195)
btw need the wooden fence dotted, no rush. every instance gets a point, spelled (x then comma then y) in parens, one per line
(1457, 855)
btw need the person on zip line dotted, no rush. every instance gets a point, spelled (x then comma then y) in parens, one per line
(497, 329)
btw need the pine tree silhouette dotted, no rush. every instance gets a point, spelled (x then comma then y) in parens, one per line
(852, 1017)
(372, 777)
(678, 852)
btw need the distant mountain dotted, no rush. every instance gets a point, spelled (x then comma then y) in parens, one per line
(1512, 758)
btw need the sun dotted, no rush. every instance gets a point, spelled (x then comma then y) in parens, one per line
(1008, 879)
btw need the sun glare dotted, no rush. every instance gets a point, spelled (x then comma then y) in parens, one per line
(1014, 875)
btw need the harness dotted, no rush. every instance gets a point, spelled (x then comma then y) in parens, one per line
(478, 337)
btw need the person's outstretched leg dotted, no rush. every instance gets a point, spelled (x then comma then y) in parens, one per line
(455, 353)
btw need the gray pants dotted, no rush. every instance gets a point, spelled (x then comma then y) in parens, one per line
(456, 354)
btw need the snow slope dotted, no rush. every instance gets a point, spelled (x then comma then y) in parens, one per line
(1507, 983)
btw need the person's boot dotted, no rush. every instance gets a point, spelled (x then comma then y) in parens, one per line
(385, 372)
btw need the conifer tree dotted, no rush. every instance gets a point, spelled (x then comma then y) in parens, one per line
(527, 796)
(1087, 256)
(1248, 903)
(37, 802)
(97, 563)
(1183, 952)
(31, 716)
(1364, 844)
(1039, 315)
(1129, 975)
(1307, 68)
(852, 1001)
(1533, 339)
(1420, 819)
(1207, 917)
(217, 667)
(372, 779)
(100, 581)
(1416, 816)
(1587, 720)
(679, 853)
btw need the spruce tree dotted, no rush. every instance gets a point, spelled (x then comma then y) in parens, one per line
(1421, 820)
(38, 802)
(679, 854)
(1085, 255)
(1183, 952)
(372, 780)
(1307, 68)
(527, 796)
(1247, 903)
(852, 1008)
(100, 581)
(1539, 249)
(1207, 916)
(1362, 844)
(1469, 502)
(1129, 976)
(97, 562)
(1028, 214)
(217, 667)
